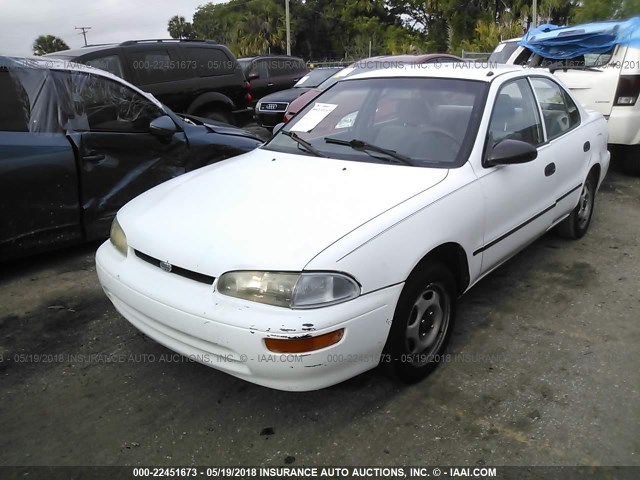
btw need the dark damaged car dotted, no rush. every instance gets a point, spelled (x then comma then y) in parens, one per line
(77, 143)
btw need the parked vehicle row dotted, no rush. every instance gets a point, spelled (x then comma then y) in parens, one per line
(272, 73)
(196, 77)
(361, 221)
(271, 108)
(77, 143)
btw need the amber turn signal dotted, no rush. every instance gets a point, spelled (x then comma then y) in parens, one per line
(301, 345)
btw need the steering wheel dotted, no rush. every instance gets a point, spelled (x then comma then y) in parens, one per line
(453, 146)
(441, 131)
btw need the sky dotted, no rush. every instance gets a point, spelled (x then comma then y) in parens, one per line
(111, 21)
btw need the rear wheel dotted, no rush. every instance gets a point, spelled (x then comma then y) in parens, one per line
(422, 323)
(577, 224)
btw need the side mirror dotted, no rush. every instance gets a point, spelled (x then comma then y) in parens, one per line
(163, 126)
(253, 76)
(511, 152)
(277, 128)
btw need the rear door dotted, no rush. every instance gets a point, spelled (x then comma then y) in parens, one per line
(568, 144)
(38, 181)
(263, 85)
(119, 157)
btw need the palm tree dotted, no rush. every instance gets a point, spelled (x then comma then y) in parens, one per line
(180, 28)
(48, 44)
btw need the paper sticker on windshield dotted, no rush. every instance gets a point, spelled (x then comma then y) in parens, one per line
(344, 72)
(313, 117)
(302, 80)
(347, 121)
(499, 48)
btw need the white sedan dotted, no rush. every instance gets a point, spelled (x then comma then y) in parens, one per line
(343, 242)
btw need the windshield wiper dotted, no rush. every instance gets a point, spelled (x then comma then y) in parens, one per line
(307, 146)
(364, 146)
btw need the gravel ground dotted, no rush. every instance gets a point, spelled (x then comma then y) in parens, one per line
(544, 370)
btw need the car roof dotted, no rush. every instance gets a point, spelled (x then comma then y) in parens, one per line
(77, 52)
(463, 71)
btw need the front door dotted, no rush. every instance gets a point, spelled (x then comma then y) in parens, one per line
(118, 156)
(519, 199)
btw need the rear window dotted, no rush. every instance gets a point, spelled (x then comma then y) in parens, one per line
(156, 66)
(210, 62)
(110, 63)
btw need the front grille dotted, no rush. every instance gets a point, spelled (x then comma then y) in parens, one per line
(183, 272)
(274, 106)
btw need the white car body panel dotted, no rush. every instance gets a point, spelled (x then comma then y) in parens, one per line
(268, 210)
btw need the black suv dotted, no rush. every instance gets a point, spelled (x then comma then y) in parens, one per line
(197, 77)
(272, 73)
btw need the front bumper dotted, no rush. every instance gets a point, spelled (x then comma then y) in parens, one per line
(269, 119)
(228, 334)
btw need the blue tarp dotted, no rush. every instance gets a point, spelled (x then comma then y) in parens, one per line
(551, 41)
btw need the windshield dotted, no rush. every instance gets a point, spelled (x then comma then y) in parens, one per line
(315, 77)
(427, 122)
(503, 51)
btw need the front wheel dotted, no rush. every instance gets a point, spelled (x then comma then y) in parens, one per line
(218, 116)
(577, 223)
(422, 323)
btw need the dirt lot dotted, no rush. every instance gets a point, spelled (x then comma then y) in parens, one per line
(545, 370)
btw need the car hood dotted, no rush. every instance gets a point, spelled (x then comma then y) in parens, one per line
(288, 95)
(265, 210)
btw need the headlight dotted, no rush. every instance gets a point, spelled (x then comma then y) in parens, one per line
(118, 238)
(293, 290)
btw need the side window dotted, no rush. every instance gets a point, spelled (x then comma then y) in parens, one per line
(14, 105)
(103, 105)
(155, 66)
(515, 114)
(210, 62)
(110, 63)
(559, 111)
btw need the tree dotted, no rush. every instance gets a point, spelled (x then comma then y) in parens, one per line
(593, 10)
(48, 44)
(180, 28)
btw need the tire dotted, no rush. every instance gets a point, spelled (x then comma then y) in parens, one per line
(218, 116)
(577, 223)
(630, 161)
(422, 323)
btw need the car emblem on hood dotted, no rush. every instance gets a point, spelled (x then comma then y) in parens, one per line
(166, 266)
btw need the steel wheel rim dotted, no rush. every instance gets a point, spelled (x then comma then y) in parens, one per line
(427, 325)
(585, 205)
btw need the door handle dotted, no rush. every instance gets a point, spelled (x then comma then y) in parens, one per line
(586, 147)
(93, 157)
(269, 84)
(550, 169)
